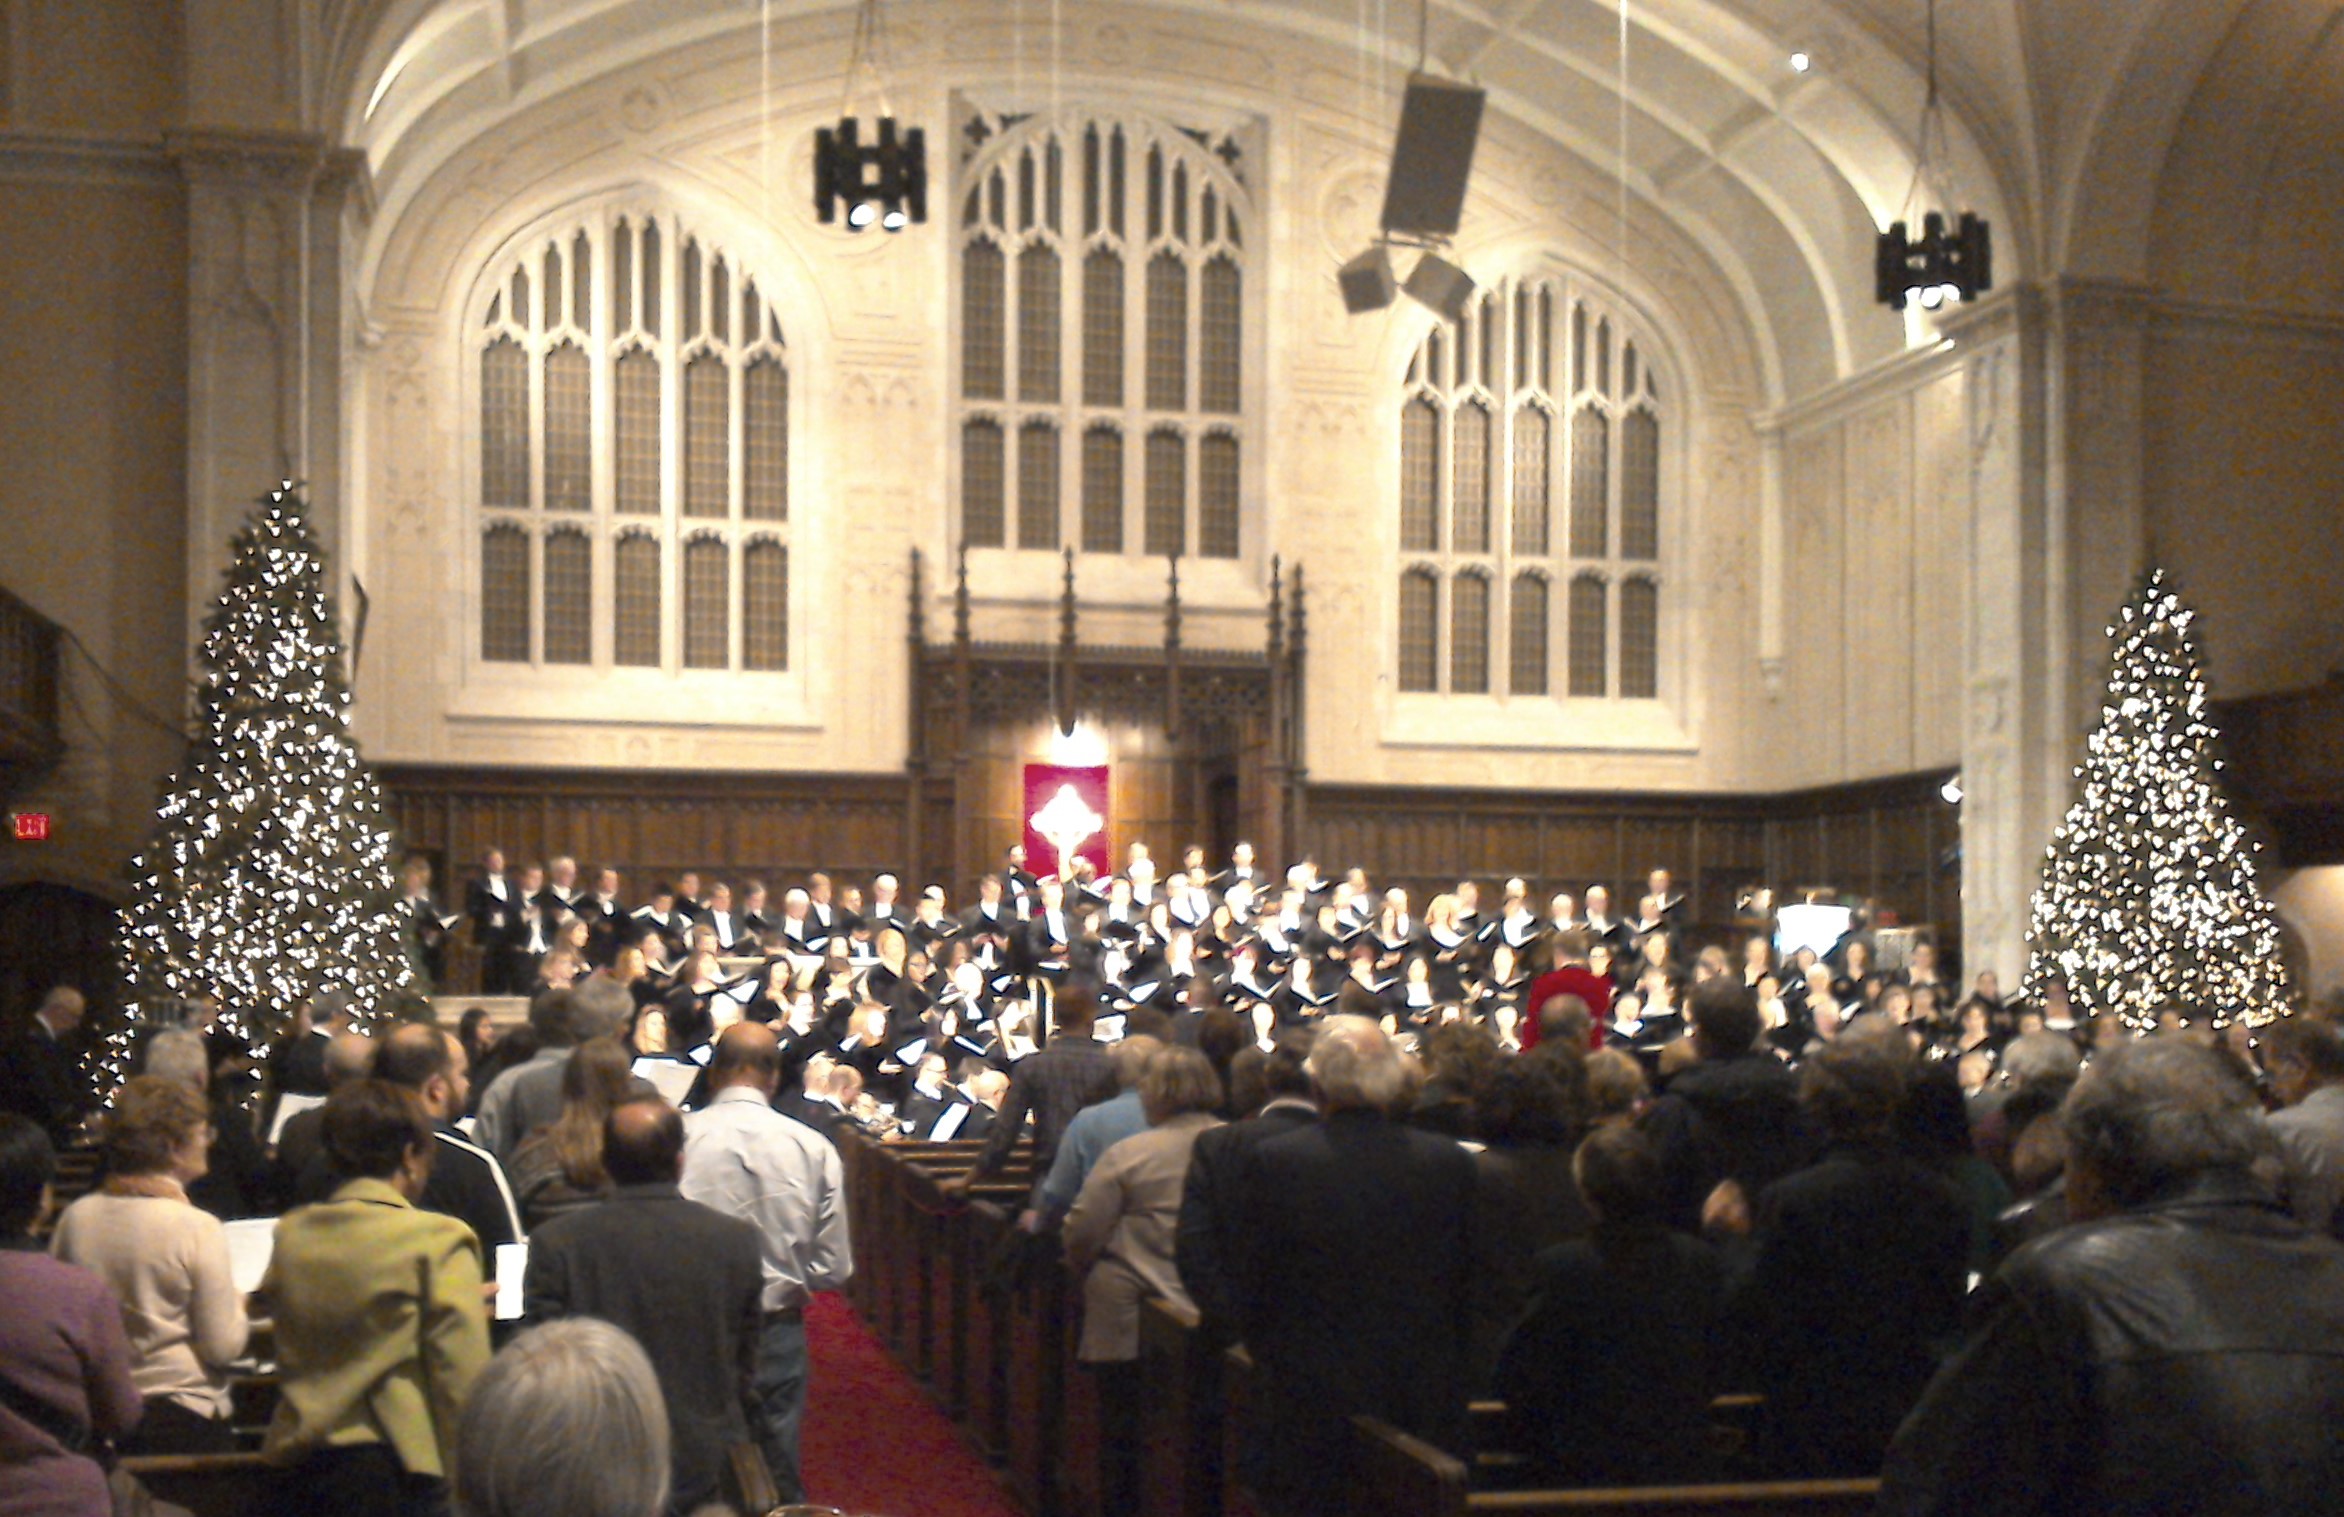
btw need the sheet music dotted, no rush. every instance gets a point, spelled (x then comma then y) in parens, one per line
(251, 1243)
(512, 1262)
(672, 1078)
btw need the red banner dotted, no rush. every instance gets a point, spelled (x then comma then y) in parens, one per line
(1065, 814)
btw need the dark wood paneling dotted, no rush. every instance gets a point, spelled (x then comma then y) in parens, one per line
(2286, 769)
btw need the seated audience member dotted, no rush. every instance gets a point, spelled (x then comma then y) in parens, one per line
(565, 1422)
(65, 1375)
(1354, 1282)
(380, 1318)
(1858, 1275)
(2305, 1058)
(1095, 1129)
(1273, 1095)
(684, 1280)
(2178, 1348)
(1119, 1242)
(1607, 1378)
(466, 1183)
(559, 1169)
(168, 1263)
(1732, 1115)
(1525, 1200)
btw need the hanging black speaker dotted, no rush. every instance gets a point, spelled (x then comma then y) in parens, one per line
(1440, 120)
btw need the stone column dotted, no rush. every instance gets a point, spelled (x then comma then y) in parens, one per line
(269, 216)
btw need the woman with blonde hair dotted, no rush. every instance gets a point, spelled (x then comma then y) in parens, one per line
(167, 1261)
(559, 1168)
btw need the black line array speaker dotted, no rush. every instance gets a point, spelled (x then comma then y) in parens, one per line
(1432, 157)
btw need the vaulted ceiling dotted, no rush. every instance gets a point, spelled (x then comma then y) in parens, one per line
(2184, 144)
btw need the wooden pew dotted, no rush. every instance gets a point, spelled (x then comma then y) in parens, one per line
(209, 1485)
(1396, 1475)
(1181, 1450)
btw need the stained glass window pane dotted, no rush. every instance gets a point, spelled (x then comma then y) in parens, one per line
(1102, 490)
(504, 594)
(1102, 329)
(1420, 473)
(635, 602)
(569, 596)
(1588, 654)
(1533, 436)
(1037, 485)
(1470, 514)
(1640, 485)
(504, 425)
(1221, 328)
(1526, 671)
(765, 441)
(1167, 493)
(635, 432)
(1590, 482)
(1419, 634)
(765, 607)
(1639, 639)
(1037, 325)
(707, 603)
(1469, 635)
(569, 430)
(984, 520)
(984, 310)
(705, 492)
(1167, 333)
(1216, 496)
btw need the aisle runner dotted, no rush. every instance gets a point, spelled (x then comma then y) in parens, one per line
(873, 1443)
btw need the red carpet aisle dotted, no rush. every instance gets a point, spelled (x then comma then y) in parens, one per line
(873, 1443)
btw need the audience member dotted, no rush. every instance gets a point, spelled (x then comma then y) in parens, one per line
(529, 1096)
(65, 1369)
(1095, 1129)
(686, 1281)
(559, 1169)
(1070, 1073)
(1353, 1285)
(1525, 1200)
(1212, 1205)
(466, 1182)
(380, 1319)
(1616, 1088)
(1607, 1379)
(1119, 1243)
(234, 1182)
(167, 1261)
(2305, 1058)
(299, 1169)
(1732, 1115)
(2178, 1348)
(1857, 1277)
(40, 1066)
(565, 1422)
(746, 1160)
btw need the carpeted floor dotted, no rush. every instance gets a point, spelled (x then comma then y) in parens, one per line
(873, 1444)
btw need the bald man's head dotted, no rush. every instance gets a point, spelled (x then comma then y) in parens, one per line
(643, 1142)
(349, 1056)
(747, 1053)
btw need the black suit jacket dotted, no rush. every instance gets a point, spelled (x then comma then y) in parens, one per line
(1354, 1296)
(686, 1282)
(40, 1078)
(1212, 1210)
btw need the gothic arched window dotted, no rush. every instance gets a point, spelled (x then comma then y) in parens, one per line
(1537, 399)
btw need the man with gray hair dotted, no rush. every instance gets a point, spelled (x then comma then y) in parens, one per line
(2179, 1347)
(2305, 1058)
(1351, 1282)
(566, 1422)
(529, 1095)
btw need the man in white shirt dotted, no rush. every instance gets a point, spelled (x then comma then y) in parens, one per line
(746, 1160)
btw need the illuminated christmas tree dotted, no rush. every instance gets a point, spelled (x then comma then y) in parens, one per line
(267, 880)
(2148, 900)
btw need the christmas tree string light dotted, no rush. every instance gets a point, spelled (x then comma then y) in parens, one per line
(267, 880)
(2149, 900)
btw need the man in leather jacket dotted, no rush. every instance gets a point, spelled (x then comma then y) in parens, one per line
(2179, 1348)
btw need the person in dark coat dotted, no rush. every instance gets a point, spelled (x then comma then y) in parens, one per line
(1731, 1115)
(684, 1279)
(1526, 1200)
(1607, 1378)
(40, 1067)
(2178, 1348)
(1354, 1290)
(1857, 1278)
(1274, 1092)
